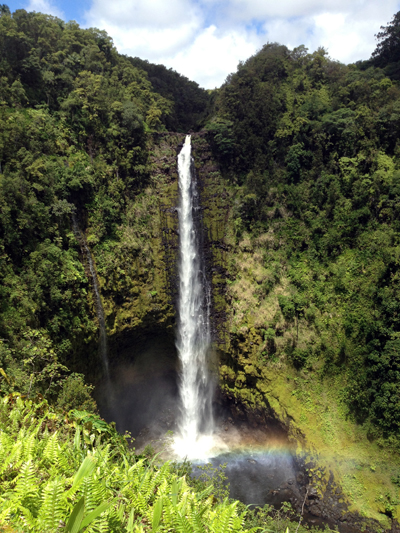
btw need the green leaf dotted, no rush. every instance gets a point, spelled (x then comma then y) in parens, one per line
(206, 492)
(86, 468)
(174, 495)
(96, 512)
(75, 520)
(4, 375)
(129, 526)
(77, 439)
(157, 511)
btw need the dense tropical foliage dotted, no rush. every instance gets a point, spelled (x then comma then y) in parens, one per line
(386, 54)
(75, 120)
(312, 148)
(190, 104)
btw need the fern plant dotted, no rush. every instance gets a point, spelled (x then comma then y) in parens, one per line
(55, 475)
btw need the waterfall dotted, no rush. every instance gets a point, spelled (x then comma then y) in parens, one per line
(193, 339)
(103, 349)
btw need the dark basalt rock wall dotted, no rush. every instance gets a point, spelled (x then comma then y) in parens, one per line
(214, 199)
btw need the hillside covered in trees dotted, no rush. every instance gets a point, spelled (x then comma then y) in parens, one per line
(312, 148)
(75, 118)
(309, 159)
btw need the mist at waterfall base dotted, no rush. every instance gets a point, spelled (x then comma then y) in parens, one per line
(147, 403)
(145, 388)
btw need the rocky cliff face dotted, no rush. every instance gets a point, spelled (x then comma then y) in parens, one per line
(139, 286)
(136, 274)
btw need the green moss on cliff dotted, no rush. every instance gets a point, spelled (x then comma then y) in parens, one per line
(136, 266)
(273, 343)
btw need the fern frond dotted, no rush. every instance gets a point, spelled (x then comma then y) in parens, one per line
(6, 445)
(139, 503)
(26, 488)
(51, 449)
(26, 518)
(6, 508)
(182, 524)
(14, 458)
(53, 507)
(224, 518)
(94, 491)
(100, 526)
(30, 443)
(65, 458)
(169, 515)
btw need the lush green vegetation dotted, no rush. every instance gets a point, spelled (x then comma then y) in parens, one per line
(190, 103)
(76, 120)
(311, 149)
(75, 473)
(311, 161)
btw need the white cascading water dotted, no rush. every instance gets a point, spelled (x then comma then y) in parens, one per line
(196, 387)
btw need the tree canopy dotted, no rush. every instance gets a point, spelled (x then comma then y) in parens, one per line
(387, 52)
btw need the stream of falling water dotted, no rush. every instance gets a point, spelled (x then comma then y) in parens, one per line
(99, 306)
(196, 423)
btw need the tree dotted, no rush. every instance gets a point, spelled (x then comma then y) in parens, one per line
(4, 10)
(387, 52)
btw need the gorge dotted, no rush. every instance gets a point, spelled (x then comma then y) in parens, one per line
(257, 443)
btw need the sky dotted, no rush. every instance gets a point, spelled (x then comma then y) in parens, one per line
(205, 39)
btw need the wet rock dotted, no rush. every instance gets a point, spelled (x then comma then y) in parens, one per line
(316, 510)
(395, 527)
(312, 493)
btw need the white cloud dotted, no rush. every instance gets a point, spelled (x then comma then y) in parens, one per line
(152, 30)
(246, 10)
(213, 56)
(151, 43)
(292, 33)
(205, 39)
(346, 40)
(133, 14)
(44, 6)
(348, 35)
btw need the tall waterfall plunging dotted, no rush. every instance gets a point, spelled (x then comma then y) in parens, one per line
(196, 423)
